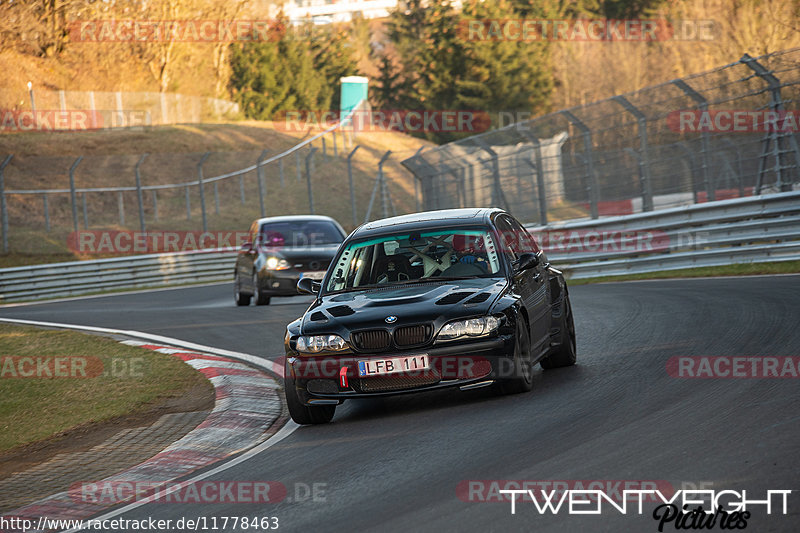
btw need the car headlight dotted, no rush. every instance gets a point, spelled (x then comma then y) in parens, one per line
(318, 343)
(473, 327)
(275, 263)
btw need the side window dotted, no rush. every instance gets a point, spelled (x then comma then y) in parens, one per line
(508, 239)
(524, 240)
(253, 233)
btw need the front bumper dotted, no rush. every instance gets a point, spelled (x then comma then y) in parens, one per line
(335, 377)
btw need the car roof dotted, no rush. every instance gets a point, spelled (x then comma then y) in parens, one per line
(295, 218)
(427, 219)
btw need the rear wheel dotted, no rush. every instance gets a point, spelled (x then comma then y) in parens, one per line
(305, 414)
(240, 298)
(522, 371)
(565, 353)
(260, 298)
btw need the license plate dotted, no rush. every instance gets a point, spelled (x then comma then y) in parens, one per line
(317, 275)
(392, 365)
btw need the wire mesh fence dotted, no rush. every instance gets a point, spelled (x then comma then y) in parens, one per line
(39, 109)
(726, 133)
(67, 198)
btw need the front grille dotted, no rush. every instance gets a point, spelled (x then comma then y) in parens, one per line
(322, 386)
(412, 335)
(390, 383)
(375, 339)
(312, 265)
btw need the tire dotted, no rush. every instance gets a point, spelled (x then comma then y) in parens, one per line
(260, 298)
(305, 414)
(240, 298)
(522, 380)
(565, 353)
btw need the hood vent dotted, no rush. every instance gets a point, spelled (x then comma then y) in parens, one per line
(453, 297)
(479, 298)
(318, 317)
(341, 310)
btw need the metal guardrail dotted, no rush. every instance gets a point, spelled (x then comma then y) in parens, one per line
(742, 230)
(143, 271)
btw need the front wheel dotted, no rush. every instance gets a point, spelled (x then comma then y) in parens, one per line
(305, 414)
(240, 298)
(522, 369)
(260, 298)
(565, 353)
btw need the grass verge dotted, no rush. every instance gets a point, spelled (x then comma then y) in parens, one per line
(91, 380)
(739, 269)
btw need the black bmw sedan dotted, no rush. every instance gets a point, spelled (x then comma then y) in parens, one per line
(279, 252)
(457, 298)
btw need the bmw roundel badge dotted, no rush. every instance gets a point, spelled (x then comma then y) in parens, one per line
(391, 319)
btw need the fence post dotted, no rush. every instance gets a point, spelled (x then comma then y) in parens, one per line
(372, 196)
(155, 204)
(72, 198)
(139, 198)
(121, 208)
(692, 167)
(3, 204)
(384, 188)
(776, 103)
(333, 140)
(498, 189)
(46, 213)
(188, 204)
(216, 198)
(85, 212)
(308, 179)
(350, 180)
(202, 193)
(297, 164)
(705, 146)
(541, 190)
(591, 178)
(260, 177)
(241, 188)
(643, 158)
(324, 149)
(280, 171)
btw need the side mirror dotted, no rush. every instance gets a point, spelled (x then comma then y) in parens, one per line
(308, 286)
(526, 261)
(247, 247)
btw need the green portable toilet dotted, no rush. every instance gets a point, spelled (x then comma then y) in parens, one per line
(354, 90)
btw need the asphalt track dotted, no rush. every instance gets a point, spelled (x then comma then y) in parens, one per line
(395, 464)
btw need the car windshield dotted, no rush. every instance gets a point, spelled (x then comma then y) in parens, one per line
(299, 233)
(404, 258)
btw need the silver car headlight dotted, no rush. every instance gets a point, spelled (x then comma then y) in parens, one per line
(276, 263)
(320, 343)
(472, 327)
